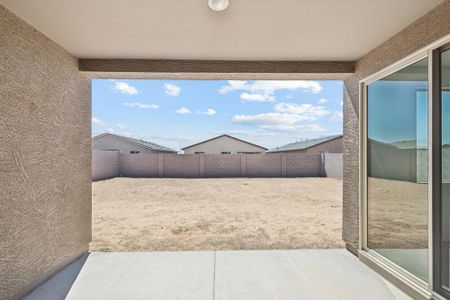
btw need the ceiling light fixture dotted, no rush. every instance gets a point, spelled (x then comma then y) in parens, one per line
(218, 5)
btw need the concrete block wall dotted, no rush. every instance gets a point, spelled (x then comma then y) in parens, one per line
(264, 165)
(309, 164)
(187, 165)
(208, 165)
(218, 165)
(139, 165)
(105, 164)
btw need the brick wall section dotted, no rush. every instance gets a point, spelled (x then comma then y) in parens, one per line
(114, 164)
(264, 165)
(308, 164)
(141, 165)
(105, 164)
(183, 166)
(217, 165)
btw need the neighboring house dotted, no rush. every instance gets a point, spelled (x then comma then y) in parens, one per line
(224, 144)
(330, 144)
(109, 141)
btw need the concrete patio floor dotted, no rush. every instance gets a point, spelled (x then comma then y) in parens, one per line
(274, 274)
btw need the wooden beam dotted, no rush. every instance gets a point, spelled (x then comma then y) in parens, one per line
(214, 66)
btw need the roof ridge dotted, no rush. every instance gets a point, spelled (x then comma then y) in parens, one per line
(141, 142)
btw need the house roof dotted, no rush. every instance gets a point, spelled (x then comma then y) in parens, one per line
(305, 144)
(146, 144)
(223, 135)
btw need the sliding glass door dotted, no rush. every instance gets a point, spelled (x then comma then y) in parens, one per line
(405, 174)
(397, 165)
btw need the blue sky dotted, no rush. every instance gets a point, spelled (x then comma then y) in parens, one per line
(270, 113)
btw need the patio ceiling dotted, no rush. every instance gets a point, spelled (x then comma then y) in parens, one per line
(321, 30)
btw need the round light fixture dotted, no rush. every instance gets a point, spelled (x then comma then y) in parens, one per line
(218, 5)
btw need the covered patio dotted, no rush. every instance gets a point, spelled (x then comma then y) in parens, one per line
(50, 51)
(198, 275)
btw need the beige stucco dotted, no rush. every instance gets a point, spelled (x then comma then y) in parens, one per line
(223, 144)
(427, 29)
(45, 159)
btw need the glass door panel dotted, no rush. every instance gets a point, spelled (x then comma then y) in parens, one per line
(397, 168)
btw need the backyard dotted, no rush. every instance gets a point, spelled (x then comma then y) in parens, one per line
(140, 214)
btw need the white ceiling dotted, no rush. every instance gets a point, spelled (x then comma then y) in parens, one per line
(247, 30)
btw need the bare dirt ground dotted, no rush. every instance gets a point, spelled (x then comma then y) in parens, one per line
(131, 214)
(397, 214)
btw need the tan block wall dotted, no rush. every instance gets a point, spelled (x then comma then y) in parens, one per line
(427, 29)
(220, 165)
(45, 158)
(105, 164)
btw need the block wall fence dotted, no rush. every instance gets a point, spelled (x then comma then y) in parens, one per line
(109, 164)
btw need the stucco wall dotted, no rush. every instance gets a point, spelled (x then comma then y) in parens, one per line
(430, 27)
(223, 144)
(45, 160)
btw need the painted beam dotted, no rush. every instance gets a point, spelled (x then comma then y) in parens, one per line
(215, 66)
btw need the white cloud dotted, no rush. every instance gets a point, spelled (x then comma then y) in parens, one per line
(208, 112)
(336, 117)
(268, 119)
(124, 88)
(264, 90)
(141, 105)
(110, 130)
(98, 122)
(257, 97)
(172, 89)
(248, 133)
(121, 126)
(322, 101)
(307, 112)
(304, 129)
(286, 117)
(342, 103)
(183, 111)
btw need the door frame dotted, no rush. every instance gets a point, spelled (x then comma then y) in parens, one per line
(438, 257)
(408, 282)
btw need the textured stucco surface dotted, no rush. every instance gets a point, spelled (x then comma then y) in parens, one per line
(45, 160)
(427, 29)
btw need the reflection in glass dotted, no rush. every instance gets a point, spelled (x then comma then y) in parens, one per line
(397, 168)
(445, 107)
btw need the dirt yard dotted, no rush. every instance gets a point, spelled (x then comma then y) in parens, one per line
(397, 215)
(203, 214)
